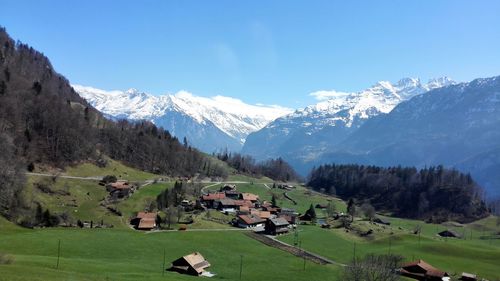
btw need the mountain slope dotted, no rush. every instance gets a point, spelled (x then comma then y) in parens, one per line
(456, 126)
(307, 133)
(209, 124)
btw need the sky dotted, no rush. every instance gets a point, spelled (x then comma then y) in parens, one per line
(262, 52)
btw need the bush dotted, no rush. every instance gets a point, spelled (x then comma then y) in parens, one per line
(6, 259)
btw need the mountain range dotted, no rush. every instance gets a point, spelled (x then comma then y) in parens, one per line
(209, 124)
(407, 123)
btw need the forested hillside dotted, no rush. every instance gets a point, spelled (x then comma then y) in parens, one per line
(43, 121)
(435, 193)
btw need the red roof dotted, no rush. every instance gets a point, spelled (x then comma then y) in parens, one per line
(250, 219)
(146, 215)
(120, 185)
(214, 196)
(249, 196)
(408, 268)
(147, 223)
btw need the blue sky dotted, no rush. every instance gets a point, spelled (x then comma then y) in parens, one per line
(271, 52)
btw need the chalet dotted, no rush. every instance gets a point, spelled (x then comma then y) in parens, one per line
(277, 226)
(261, 214)
(288, 211)
(246, 221)
(382, 221)
(468, 277)
(244, 210)
(119, 189)
(449, 233)
(249, 197)
(192, 264)
(208, 199)
(306, 217)
(144, 221)
(272, 210)
(290, 218)
(233, 194)
(420, 270)
(227, 205)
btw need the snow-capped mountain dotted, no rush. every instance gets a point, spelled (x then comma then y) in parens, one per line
(308, 132)
(209, 124)
(455, 126)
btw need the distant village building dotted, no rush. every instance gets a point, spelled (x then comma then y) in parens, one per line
(249, 197)
(228, 187)
(420, 270)
(209, 199)
(449, 233)
(275, 226)
(248, 221)
(144, 221)
(192, 264)
(119, 189)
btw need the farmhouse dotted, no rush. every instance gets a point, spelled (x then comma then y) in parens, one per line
(420, 270)
(261, 214)
(290, 218)
(246, 221)
(449, 233)
(249, 197)
(233, 194)
(208, 199)
(227, 205)
(228, 187)
(144, 221)
(192, 264)
(277, 226)
(119, 189)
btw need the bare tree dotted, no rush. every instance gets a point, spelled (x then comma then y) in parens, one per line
(170, 215)
(331, 209)
(179, 213)
(368, 211)
(373, 268)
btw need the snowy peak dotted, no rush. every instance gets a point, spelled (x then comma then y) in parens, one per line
(380, 98)
(231, 116)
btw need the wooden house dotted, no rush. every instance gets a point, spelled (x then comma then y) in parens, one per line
(420, 270)
(208, 199)
(249, 197)
(144, 220)
(192, 264)
(275, 226)
(247, 221)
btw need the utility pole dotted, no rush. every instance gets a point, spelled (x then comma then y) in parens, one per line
(163, 267)
(58, 253)
(241, 265)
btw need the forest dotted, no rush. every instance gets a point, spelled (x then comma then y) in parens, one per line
(434, 194)
(276, 169)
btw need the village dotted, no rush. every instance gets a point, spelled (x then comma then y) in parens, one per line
(265, 218)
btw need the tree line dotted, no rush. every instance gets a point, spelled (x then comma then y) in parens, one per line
(44, 121)
(276, 169)
(434, 193)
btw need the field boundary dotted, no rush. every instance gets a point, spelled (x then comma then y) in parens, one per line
(301, 253)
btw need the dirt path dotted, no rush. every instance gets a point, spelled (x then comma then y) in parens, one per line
(65, 177)
(272, 242)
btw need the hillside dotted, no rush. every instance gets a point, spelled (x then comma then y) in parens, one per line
(455, 126)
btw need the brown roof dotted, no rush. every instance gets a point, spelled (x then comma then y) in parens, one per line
(197, 261)
(120, 185)
(244, 208)
(260, 214)
(251, 219)
(249, 196)
(279, 221)
(146, 215)
(147, 223)
(429, 269)
(214, 196)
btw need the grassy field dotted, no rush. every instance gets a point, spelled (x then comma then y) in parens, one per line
(479, 255)
(113, 167)
(113, 254)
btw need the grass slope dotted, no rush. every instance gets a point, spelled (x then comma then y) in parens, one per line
(112, 254)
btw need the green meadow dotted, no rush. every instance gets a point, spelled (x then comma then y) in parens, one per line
(121, 254)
